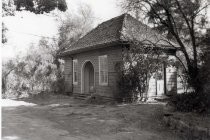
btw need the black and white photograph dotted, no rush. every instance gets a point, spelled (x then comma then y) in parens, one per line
(105, 70)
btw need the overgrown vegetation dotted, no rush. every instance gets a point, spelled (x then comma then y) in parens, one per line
(140, 63)
(183, 22)
(40, 6)
(41, 70)
(35, 6)
(191, 102)
(35, 72)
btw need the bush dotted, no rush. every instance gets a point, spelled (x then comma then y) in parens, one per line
(128, 84)
(191, 102)
(58, 86)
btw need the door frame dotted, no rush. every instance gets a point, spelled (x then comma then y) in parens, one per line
(164, 80)
(82, 74)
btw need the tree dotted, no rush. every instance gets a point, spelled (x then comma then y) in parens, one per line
(7, 69)
(139, 65)
(205, 59)
(73, 27)
(40, 6)
(41, 69)
(4, 29)
(8, 9)
(36, 6)
(144, 56)
(182, 22)
(32, 73)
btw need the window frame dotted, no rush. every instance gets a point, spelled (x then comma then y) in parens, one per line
(75, 68)
(102, 83)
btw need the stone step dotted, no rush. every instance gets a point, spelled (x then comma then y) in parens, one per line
(81, 96)
(98, 99)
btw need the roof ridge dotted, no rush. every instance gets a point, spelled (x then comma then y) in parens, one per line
(114, 30)
(122, 15)
(126, 15)
(98, 26)
(122, 27)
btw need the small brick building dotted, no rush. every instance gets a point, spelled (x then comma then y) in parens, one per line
(90, 63)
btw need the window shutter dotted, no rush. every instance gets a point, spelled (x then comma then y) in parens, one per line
(103, 67)
(75, 77)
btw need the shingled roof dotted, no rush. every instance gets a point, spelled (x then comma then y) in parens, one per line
(114, 31)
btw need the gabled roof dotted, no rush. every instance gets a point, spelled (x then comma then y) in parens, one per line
(116, 30)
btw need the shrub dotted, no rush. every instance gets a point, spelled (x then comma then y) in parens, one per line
(191, 102)
(127, 88)
(58, 86)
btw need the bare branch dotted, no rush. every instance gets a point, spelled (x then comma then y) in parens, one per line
(199, 10)
(183, 14)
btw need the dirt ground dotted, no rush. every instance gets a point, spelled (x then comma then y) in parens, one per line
(62, 118)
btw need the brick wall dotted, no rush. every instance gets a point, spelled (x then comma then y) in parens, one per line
(113, 55)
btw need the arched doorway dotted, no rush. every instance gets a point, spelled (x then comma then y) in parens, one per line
(87, 78)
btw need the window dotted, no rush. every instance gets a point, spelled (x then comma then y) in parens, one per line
(75, 72)
(103, 70)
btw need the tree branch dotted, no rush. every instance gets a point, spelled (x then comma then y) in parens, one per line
(183, 14)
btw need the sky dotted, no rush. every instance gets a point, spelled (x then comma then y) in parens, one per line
(25, 28)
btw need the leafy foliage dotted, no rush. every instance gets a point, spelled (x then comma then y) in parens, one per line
(41, 70)
(139, 65)
(34, 72)
(4, 29)
(40, 6)
(7, 69)
(197, 102)
(73, 27)
(35, 6)
(191, 102)
(181, 21)
(204, 73)
(8, 8)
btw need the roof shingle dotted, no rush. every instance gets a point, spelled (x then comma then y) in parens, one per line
(118, 29)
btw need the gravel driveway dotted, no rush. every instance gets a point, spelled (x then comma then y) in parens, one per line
(62, 118)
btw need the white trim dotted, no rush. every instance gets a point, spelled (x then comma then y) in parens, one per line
(82, 74)
(75, 61)
(103, 83)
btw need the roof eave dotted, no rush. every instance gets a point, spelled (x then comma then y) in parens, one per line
(94, 47)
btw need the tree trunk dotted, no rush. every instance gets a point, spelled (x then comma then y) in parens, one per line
(194, 79)
(3, 86)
